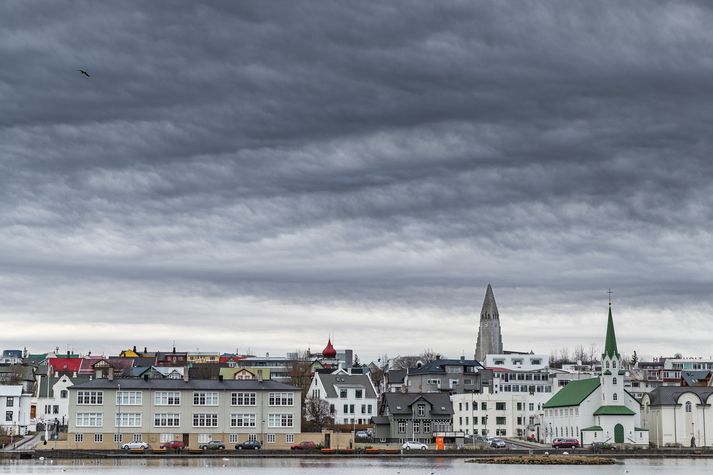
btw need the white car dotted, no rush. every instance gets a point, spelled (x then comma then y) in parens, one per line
(414, 445)
(135, 445)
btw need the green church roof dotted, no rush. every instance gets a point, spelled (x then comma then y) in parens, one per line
(610, 349)
(592, 429)
(573, 394)
(614, 411)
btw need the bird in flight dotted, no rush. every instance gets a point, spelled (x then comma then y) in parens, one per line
(84, 72)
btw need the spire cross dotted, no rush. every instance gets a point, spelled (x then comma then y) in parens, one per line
(610, 294)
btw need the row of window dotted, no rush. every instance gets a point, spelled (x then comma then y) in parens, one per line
(565, 411)
(522, 388)
(173, 398)
(437, 426)
(499, 406)
(130, 419)
(358, 393)
(202, 438)
(351, 408)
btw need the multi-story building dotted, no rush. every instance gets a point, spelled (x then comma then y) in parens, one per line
(53, 397)
(449, 376)
(413, 416)
(493, 414)
(351, 397)
(15, 406)
(103, 413)
(679, 416)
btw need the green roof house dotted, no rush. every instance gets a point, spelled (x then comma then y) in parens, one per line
(597, 409)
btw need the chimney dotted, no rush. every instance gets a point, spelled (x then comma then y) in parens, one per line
(174, 348)
(220, 378)
(185, 374)
(146, 350)
(134, 348)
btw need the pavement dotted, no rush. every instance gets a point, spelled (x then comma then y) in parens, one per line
(26, 443)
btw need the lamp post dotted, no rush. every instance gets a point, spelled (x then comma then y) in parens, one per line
(118, 419)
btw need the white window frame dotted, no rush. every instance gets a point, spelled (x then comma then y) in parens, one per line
(271, 438)
(89, 419)
(289, 438)
(166, 419)
(243, 420)
(203, 419)
(167, 398)
(280, 420)
(128, 419)
(206, 398)
(129, 398)
(233, 438)
(90, 398)
(78, 437)
(281, 399)
(243, 399)
(98, 438)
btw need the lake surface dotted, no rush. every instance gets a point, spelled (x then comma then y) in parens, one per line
(391, 466)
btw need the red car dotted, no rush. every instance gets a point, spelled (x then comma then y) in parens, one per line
(176, 445)
(306, 445)
(565, 443)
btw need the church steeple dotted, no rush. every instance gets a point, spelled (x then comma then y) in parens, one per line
(610, 348)
(490, 340)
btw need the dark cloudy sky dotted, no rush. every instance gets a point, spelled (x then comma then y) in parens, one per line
(255, 175)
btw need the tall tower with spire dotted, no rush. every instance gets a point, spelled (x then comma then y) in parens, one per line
(490, 340)
(612, 378)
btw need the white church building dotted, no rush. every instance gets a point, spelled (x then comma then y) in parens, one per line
(597, 409)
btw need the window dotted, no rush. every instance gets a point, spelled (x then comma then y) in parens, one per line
(129, 398)
(98, 438)
(460, 406)
(484, 420)
(402, 427)
(531, 406)
(167, 398)
(10, 401)
(427, 427)
(281, 399)
(117, 438)
(166, 438)
(613, 364)
(279, 420)
(252, 437)
(368, 409)
(289, 438)
(351, 408)
(85, 398)
(243, 399)
(342, 393)
(615, 397)
(499, 406)
(271, 438)
(90, 419)
(205, 399)
(688, 406)
(8, 416)
(500, 421)
(467, 381)
(417, 427)
(55, 409)
(205, 420)
(484, 406)
(363, 408)
(166, 420)
(346, 409)
(233, 438)
(79, 437)
(613, 380)
(203, 438)
(437, 382)
(358, 393)
(421, 409)
(128, 419)
(243, 420)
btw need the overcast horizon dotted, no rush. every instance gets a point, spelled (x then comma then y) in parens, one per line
(262, 175)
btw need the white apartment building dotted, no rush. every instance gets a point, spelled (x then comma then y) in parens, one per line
(15, 408)
(103, 413)
(492, 414)
(352, 397)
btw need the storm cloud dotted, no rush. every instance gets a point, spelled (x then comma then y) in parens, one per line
(256, 175)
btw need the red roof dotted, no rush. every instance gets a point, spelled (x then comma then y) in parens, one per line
(329, 351)
(65, 364)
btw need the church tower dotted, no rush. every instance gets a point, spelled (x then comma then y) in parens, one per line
(490, 341)
(612, 377)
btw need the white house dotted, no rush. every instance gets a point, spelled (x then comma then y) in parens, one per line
(351, 397)
(53, 397)
(679, 416)
(597, 409)
(492, 414)
(15, 406)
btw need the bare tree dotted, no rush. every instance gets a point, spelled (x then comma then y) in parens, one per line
(403, 362)
(580, 354)
(299, 370)
(592, 354)
(318, 415)
(428, 356)
(356, 363)
(564, 354)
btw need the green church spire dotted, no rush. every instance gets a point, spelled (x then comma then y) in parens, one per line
(610, 349)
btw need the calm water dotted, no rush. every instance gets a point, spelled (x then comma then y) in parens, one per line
(434, 466)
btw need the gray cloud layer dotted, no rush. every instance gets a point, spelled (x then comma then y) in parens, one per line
(285, 169)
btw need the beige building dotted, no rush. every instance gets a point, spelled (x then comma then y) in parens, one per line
(106, 413)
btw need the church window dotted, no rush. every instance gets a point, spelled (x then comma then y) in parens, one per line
(614, 397)
(613, 380)
(688, 406)
(607, 365)
(613, 364)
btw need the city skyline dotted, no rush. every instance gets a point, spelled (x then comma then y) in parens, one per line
(264, 175)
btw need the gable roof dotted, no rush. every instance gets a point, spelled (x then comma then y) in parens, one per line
(401, 403)
(42, 390)
(573, 394)
(669, 395)
(614, 411)
(329, 381)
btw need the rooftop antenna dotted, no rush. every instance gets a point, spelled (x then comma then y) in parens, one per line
(610, 292)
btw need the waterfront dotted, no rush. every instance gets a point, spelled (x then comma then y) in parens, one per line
(390, 466)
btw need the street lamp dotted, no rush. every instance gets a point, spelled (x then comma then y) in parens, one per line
(118, 419)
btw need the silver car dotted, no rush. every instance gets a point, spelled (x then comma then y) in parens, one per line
(414, 445)
(135, 446)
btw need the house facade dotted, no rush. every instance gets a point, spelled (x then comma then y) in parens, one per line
(352, 397)
(103, 413)
(452, 376)
(414, 416)
(15, 406)
(679, 416)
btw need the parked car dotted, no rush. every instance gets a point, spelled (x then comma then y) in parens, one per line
(599, 446)
(135, 446)
(212, 445)
(176, 445)
(414, 445)
(498, 444)
(362, 435)
(248, 445)
(565, 443)
(304, 445)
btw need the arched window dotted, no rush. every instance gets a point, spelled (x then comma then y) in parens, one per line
(688, 406)
(613, 380)
(615, 397)
(613, 364)
(607, 365)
